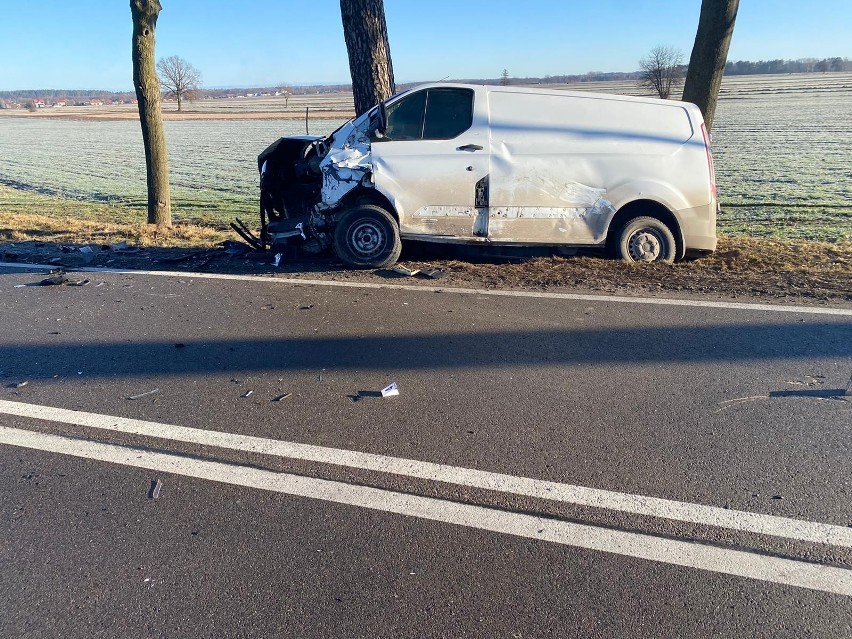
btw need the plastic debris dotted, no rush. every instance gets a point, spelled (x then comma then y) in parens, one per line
(433, 273)
(154, 490)
(390, 390)
(405, 271)
(140, 395)
(57, 279)
(280, 397)
(18, 384)
(21, 285)
(277, 260)
(247, 394)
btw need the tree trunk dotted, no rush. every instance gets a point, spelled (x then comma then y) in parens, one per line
(147, 86)
(709, 54)
(366, 35)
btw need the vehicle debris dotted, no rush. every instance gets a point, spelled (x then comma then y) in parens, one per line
(390, 390)
(145, 394)
(245, 232)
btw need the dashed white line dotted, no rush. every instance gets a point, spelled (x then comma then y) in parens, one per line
(690, 555)
(810, 310)
(524, 486)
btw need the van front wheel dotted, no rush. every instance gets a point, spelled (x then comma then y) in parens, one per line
(646, 239)
(367, 237)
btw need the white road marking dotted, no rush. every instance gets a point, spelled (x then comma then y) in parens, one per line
(690, 555)
(623, 502)
(811, 310)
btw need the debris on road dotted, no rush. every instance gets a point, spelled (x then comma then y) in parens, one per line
(390, 390)
(277, 261)
(848, 392)
(17, 384)
(57, 278)
(433, 273)
(280, 397)
(145, 394)
(247, 393)
(154, 490)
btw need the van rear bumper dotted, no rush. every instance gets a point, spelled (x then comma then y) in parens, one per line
(698, 226)
(700, 242)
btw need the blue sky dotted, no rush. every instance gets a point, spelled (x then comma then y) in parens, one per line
(86, 44)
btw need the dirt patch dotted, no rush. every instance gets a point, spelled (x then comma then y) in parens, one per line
(768, 270)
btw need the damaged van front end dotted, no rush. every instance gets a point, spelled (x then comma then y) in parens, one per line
(305, 182)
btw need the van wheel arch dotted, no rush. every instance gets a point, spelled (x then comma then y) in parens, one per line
(363, 196)
(643, 208)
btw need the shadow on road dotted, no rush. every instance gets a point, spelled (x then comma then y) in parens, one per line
(450, 350)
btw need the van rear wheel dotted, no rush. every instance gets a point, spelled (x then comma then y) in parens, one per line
(367, 236)
(646, 239)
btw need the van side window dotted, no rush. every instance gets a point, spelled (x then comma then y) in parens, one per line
(405, 118)
(449, 112)
(434, 114)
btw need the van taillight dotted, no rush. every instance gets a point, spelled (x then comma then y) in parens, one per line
(709, 159)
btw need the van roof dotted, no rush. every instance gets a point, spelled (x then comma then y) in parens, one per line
(539, 90)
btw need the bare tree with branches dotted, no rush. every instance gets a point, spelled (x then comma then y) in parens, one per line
(661, 70)
(709, 54)
(179, 78)
(145, 13)
(366, 34)
(285, 90)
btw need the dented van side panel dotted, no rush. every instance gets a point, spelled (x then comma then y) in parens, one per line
(552, 177)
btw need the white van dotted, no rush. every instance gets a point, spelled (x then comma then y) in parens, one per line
(498, 165)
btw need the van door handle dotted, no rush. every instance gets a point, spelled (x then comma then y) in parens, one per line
(469, 147)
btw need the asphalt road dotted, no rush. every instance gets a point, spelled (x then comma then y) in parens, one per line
(716, 443)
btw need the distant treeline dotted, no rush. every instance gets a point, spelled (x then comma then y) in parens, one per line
(804, 65)
(741, 67)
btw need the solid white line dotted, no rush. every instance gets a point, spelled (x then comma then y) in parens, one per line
(691, 555)
(567, 493)
(812, 310)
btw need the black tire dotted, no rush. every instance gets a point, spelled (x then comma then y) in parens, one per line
(646, 239)
(367, 237)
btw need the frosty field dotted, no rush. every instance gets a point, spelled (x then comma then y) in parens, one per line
(782, 147)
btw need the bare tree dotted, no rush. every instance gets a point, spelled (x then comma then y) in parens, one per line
(147, 86)
(661, 70)
(285, 90)
(709, 54)
(366, 34)
(179, 78)
(504, 78)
